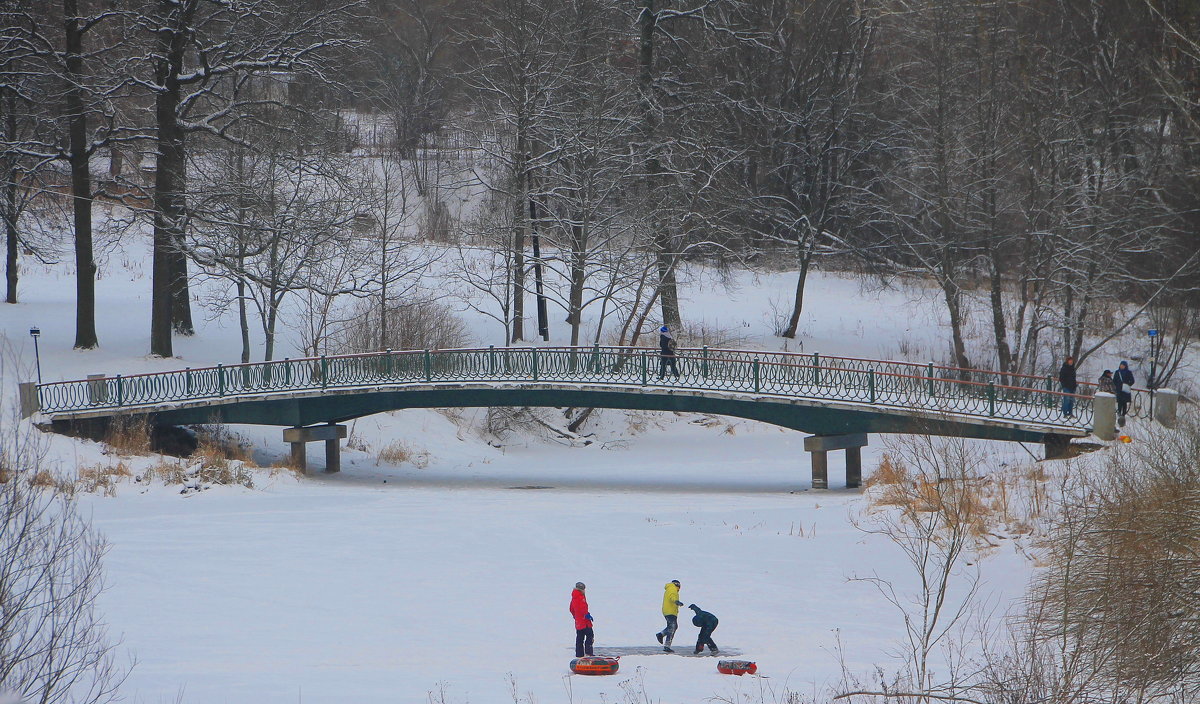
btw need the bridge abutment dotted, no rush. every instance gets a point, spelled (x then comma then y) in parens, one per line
(331, 433)
(819, 447)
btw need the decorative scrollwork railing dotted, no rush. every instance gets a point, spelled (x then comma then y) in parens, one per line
(929, 387)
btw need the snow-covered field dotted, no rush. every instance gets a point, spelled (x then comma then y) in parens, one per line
(446, 578)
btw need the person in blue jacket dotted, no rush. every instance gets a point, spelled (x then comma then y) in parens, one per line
(707, 623)
(1123, 388)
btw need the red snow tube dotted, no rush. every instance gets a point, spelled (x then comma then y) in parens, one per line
(736, 667)
(595, 665)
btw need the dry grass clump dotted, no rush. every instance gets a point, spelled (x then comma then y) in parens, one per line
(1006, 500)
(101, 478)
(216, 445)
(198, 474)
(397, 453)
(129, 436)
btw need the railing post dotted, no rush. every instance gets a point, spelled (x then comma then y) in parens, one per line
(491, 360)
(287, 371)
(704, 363)
(324, 372)
(1050, 388)
(929, 375)
(816, 368)
(991, 398)
(596, 358)
(220, 380)
(387, 362)
(428, 367)
(534, 363)
(120, 391)
(645, 368)
(871, 383)
(187, 381)
(757, 379)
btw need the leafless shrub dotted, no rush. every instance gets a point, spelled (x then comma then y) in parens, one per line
(934, 519)
(216, 444)
(54, 645)
(1116, 616)
(129, 435)
(414, 325)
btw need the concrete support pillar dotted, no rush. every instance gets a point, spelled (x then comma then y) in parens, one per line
(820, 469)
(330, 433)
(853, 467)
(333, 454)
(299, 459)
(1104, 416)
(1057, 446)
(1166, 407)
(819, 447)
(30, 403)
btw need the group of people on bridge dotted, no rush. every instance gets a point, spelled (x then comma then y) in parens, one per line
(1119, 384)
(705, 621)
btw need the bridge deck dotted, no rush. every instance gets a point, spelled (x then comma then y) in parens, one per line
(766, 386)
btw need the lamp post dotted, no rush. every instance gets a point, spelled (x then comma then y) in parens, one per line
(1155, 346)
(34, 333)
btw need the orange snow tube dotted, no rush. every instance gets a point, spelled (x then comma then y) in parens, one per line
(736, 667)
(595, 665)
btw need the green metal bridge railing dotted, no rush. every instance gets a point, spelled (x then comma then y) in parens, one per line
(930, 387)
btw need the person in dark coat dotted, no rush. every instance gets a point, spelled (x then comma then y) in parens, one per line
(666, 353)
(1066, 379)
(707, 623)
(583, 621)
(1123, 388)
(1105, 383)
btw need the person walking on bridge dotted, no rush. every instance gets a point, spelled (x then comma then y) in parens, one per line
(666, 353)
(1123, 388)
(671, 604)
(707, 623)
(584, 636)
(1066, 379)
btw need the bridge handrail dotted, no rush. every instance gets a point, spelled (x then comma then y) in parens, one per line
(787, 374)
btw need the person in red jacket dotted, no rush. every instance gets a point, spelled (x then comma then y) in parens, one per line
(583, 621)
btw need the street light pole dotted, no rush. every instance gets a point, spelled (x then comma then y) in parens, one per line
(1152, 333)
(34, 333)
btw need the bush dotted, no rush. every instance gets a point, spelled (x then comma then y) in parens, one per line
(415, 325)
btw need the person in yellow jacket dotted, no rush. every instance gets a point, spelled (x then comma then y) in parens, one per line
(671, 604)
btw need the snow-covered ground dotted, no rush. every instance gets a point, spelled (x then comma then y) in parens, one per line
(446, 577)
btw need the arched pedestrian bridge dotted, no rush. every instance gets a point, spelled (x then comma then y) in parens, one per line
(839, 400)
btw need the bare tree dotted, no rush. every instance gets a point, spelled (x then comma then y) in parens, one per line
(208, 57)
(933, 518)
(54, 643)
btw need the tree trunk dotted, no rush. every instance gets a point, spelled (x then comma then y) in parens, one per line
(801, 280)
(12, 243)
(81, 183)
(578, 278)
(954, 307)
(999, 324)
(518, 242)
(243, 323)
(665, 255)
(168, 189)
(539, 288)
